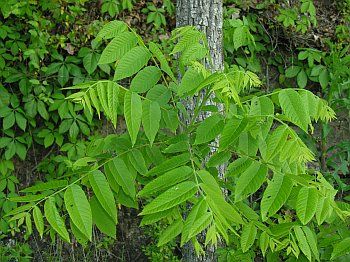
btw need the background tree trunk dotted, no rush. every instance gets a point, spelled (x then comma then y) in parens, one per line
(207, 16)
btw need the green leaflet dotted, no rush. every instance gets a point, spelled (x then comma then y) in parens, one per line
(197, 211)
(312, 240)
(28, 198)
(145, 79)
(19, 209)
(264, 242)
(323, 210)
(79, 209)
(170, 164)
(341, 248)
(170, 232)
(211, 236)
(103, 193)
(92, 94)
(118, 47)
(29, 226)
(160, 94)
(79, 236)
(190, 81)
(306, 204)
(152, 218)
(201, 223)
(102, 219)
(108, 94)
(137, 161)
(171, 119)
(126, 200)
(151, 115)
(132, 62)
(193, 52)
(310, 103)
(133, 114)
(223, 210)
(170, 198)
(112, 29)
(275, 143)
(161, 58)
(262, 106)
(38, 220)
(53, 184)
(178, 147)
(232, 130)
(218, 158)
(275, 195)
(209, 129)
(291, 104)
(238, 166)
(122, 176)
(111, 177)
(303, 243)
(54, 219)
(248, 236)
(167, 180)
(250, 180)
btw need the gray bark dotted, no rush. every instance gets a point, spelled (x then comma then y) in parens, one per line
(207, 16)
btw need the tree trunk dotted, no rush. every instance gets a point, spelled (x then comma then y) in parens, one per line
(207, 16)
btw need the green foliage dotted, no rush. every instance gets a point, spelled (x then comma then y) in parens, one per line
(166, 160)
(275, 204)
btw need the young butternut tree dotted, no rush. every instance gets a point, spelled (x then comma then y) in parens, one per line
(158, 164)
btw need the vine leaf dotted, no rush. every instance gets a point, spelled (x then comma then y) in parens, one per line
(79, 209)
(54, 218)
